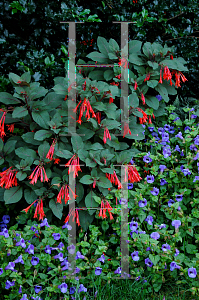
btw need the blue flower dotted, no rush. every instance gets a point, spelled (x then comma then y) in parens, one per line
(63, 287)
(30, 249)
(60, 246)
(34, 229)
(59, 256)
(162, 168)
(67, 226)
(79, 255)
(6, 219)
(150, 178)
(38, 288)
(20, 290)
(19, 260)
(56, 236)
(155, 191)
(162, 226)
(179, 135)
(151, 129)
(192, 272)
(5, 233)
(197, 156)
(10, 266)
(45, 223)
(118, 271)
(176, 223)
(166, 247)
(9, 284)
(148, 262)
(82, 288)
(170, 202)
(173, 266)
(159, 97)
(171, 129)
(187, 128)
(166, 127)
(34, 260)
(130, 186)
(163, 181)
(161, 130)
(24, 297)
(135, 256)
(196, 178)
(72, 290)
(48, 249)
(179, 198)
(21, 243)
(177, 252)
(142, 203)
(71, 249)
(102, 258)
(166, 152)
(133, 226)
(149, 220)
(98, 271)
(147, 159)
(155, 235)
(1, 271)
(193, 116)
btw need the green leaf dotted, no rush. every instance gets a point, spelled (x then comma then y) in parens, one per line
(152, 83)
(1, 145)
(96, 75)
(154, 65)
(85, 219)
(37, 92)
(108, 75)
(136, 60)
(7, 98)
(43, 150)
(9, 146)
(41, 118)
(163, 92)
(53, 100)
(133, 100)
(103, 45)
(104, 182)
(99, 57)
(14, 78)
(77, 143)
(29, 138)
(13, 195)
(64, 153)
(113, 45)
(19, 112)
(147, 49)
(134, 47)
(24, 152)
(21, 176)
(152, 101)
(86, 179)
(56, 208)
(142, 217)
(154, 259)
(26, 77)
(90, 202)
(42, 134)
(30, 196)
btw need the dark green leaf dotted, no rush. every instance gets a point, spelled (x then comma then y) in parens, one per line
(13, 195)
(56, 208)
(42, 134)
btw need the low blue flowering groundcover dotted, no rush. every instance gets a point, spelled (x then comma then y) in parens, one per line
(163, 230)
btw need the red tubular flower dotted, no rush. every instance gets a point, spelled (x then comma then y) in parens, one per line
(167, 74)
(65, 192)
(70, 87)
(51, 150)
(108, 206)
(11, 127)
(144, 118)
(85, 104)
(160, 81)
(147, 77)
(74, 166)
(149, 120)
(56, 160)
(106, 135)
(65, 98)
(39, 210)
(133, 175)
(178, 74)
(126, 129)
(27, 208)
(98, 117)
(94, 183)
(102, 205)
(123, 62)
(135, 86)
(8, 179)
(113, 179)
(143, 99)
(75, 214)
(2, 132)
(38, 173)
(171, 56)
(110, 100)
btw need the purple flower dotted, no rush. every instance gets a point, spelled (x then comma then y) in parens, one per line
(162, 168)
(10, 266)
(197, 156)
(79, 255)
(186, 172)
(102, 258)
(6, 219)
(148, 249)
(24, 297)
(147, 159)
(135, 256)
(187, 128)
(34, 229)
(48, 249)
(193, 116)
(163, 181)
(60, 246)
(196, 140)
(193, 147)
(176, 223)
(161, 130)
(21, 243)
(179, 135)
(38, 288)
(59, 256)
(149, 220)
(56, 236)
(162, 226)
(159, 97)
(1, 271)
(123, 201)
(196, 178)
(176, 119)
(166, 152)
(98, 271)
(63, 287)
(133, 226)
(72, 290)
(82, 288)
(151, 129)
(166, 127)
(155, 191)
(170, 202)
(142, 203)
(150, 178)
(130, 186)
(177, 252)
(5, 233)
(9, 284)
(44, 223)
(20, 290)
(118, 271)
(173, 266)
(166, 247)
(171, 129)
(30, 249)
(34, 260)
(179, 198)
(71, 249)
(155, 235)
(192, 272)
(19, 260)
(132, 161)
(148, 262)
(67, 226)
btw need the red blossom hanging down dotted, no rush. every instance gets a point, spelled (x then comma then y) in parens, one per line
(75, 214)
(106, 135)
(143, 99)
(85, 104)
(178, 74)
(107, 207)
(167, 74)
(38, 173)
(56, 160)
(113, 179)
(111, 98)
(133, 175)
(160, 81)
(98, 117)
(39, 209)
(51, 150)
(144, 118)
(8, 179)
(74, 165)
(135, 86)
(147, 77)
(126, 129)
(123, 62)
(11, 127)
(64, 192)
(2, 132)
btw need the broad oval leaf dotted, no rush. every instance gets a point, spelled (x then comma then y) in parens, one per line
(152, 101)
(13, 195)
(56, 208)
(7, 98)
(19, 112)
(42, 135)
(103, 45)
(99, 57)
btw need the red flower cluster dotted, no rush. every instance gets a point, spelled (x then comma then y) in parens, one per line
(2, 132)
(85, 42)
(8, 179)
(123, 62)
(113, 179)
(35, 176)
(106, 135)
(64, 192)
(104, 208)
(74, 166)
(51, 150)
(39, 209)
(75, 214)
(11, 127)
(85, 104)
(168, 75)
(133, 175)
